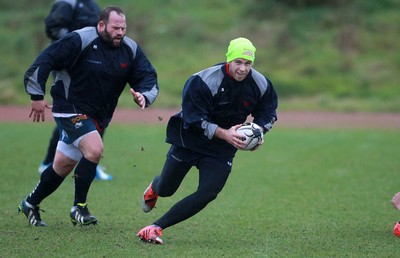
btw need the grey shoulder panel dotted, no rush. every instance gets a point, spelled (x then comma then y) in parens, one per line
(131, 44)
(87, 34)
(212, 76)
(260, 80)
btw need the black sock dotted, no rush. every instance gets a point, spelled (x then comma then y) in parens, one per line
(85, 173)
(48, 183)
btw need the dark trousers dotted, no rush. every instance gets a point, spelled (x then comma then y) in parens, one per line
(213, 174)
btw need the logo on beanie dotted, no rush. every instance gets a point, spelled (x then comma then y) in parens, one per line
(248, 52)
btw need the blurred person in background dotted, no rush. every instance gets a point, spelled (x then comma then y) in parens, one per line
(66, 16)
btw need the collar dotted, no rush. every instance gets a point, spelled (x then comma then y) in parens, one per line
(227, 71)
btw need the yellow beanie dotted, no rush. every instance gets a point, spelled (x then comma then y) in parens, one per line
(241, 48)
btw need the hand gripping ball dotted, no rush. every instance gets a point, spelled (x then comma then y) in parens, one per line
(252, 135)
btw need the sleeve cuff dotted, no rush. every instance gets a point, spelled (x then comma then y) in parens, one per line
(37, 97)
(209, 129)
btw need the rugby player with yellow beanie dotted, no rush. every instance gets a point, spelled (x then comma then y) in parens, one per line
(215, 102)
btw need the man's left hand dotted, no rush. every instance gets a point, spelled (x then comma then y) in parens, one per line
(138, 98)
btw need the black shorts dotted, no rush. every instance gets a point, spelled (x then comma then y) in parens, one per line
(74, 127)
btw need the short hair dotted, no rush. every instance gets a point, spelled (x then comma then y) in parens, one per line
(105, 14)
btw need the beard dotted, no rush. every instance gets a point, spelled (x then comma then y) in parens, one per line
(109, 40)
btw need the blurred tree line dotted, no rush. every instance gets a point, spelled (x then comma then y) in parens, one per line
(320, 54)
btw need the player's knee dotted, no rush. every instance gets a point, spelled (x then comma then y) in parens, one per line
(63, 167)
(207, 197)
(94, 156)
(212, 196)
(91, 147)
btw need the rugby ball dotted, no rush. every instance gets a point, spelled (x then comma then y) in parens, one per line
(252, 135)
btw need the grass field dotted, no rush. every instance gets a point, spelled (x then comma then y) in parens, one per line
(306, 193)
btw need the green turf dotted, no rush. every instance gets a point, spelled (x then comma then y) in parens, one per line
(306, 193)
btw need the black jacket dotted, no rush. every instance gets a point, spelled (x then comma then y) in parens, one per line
(211, 98)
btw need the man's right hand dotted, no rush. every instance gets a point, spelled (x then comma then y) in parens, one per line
(231, 136)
